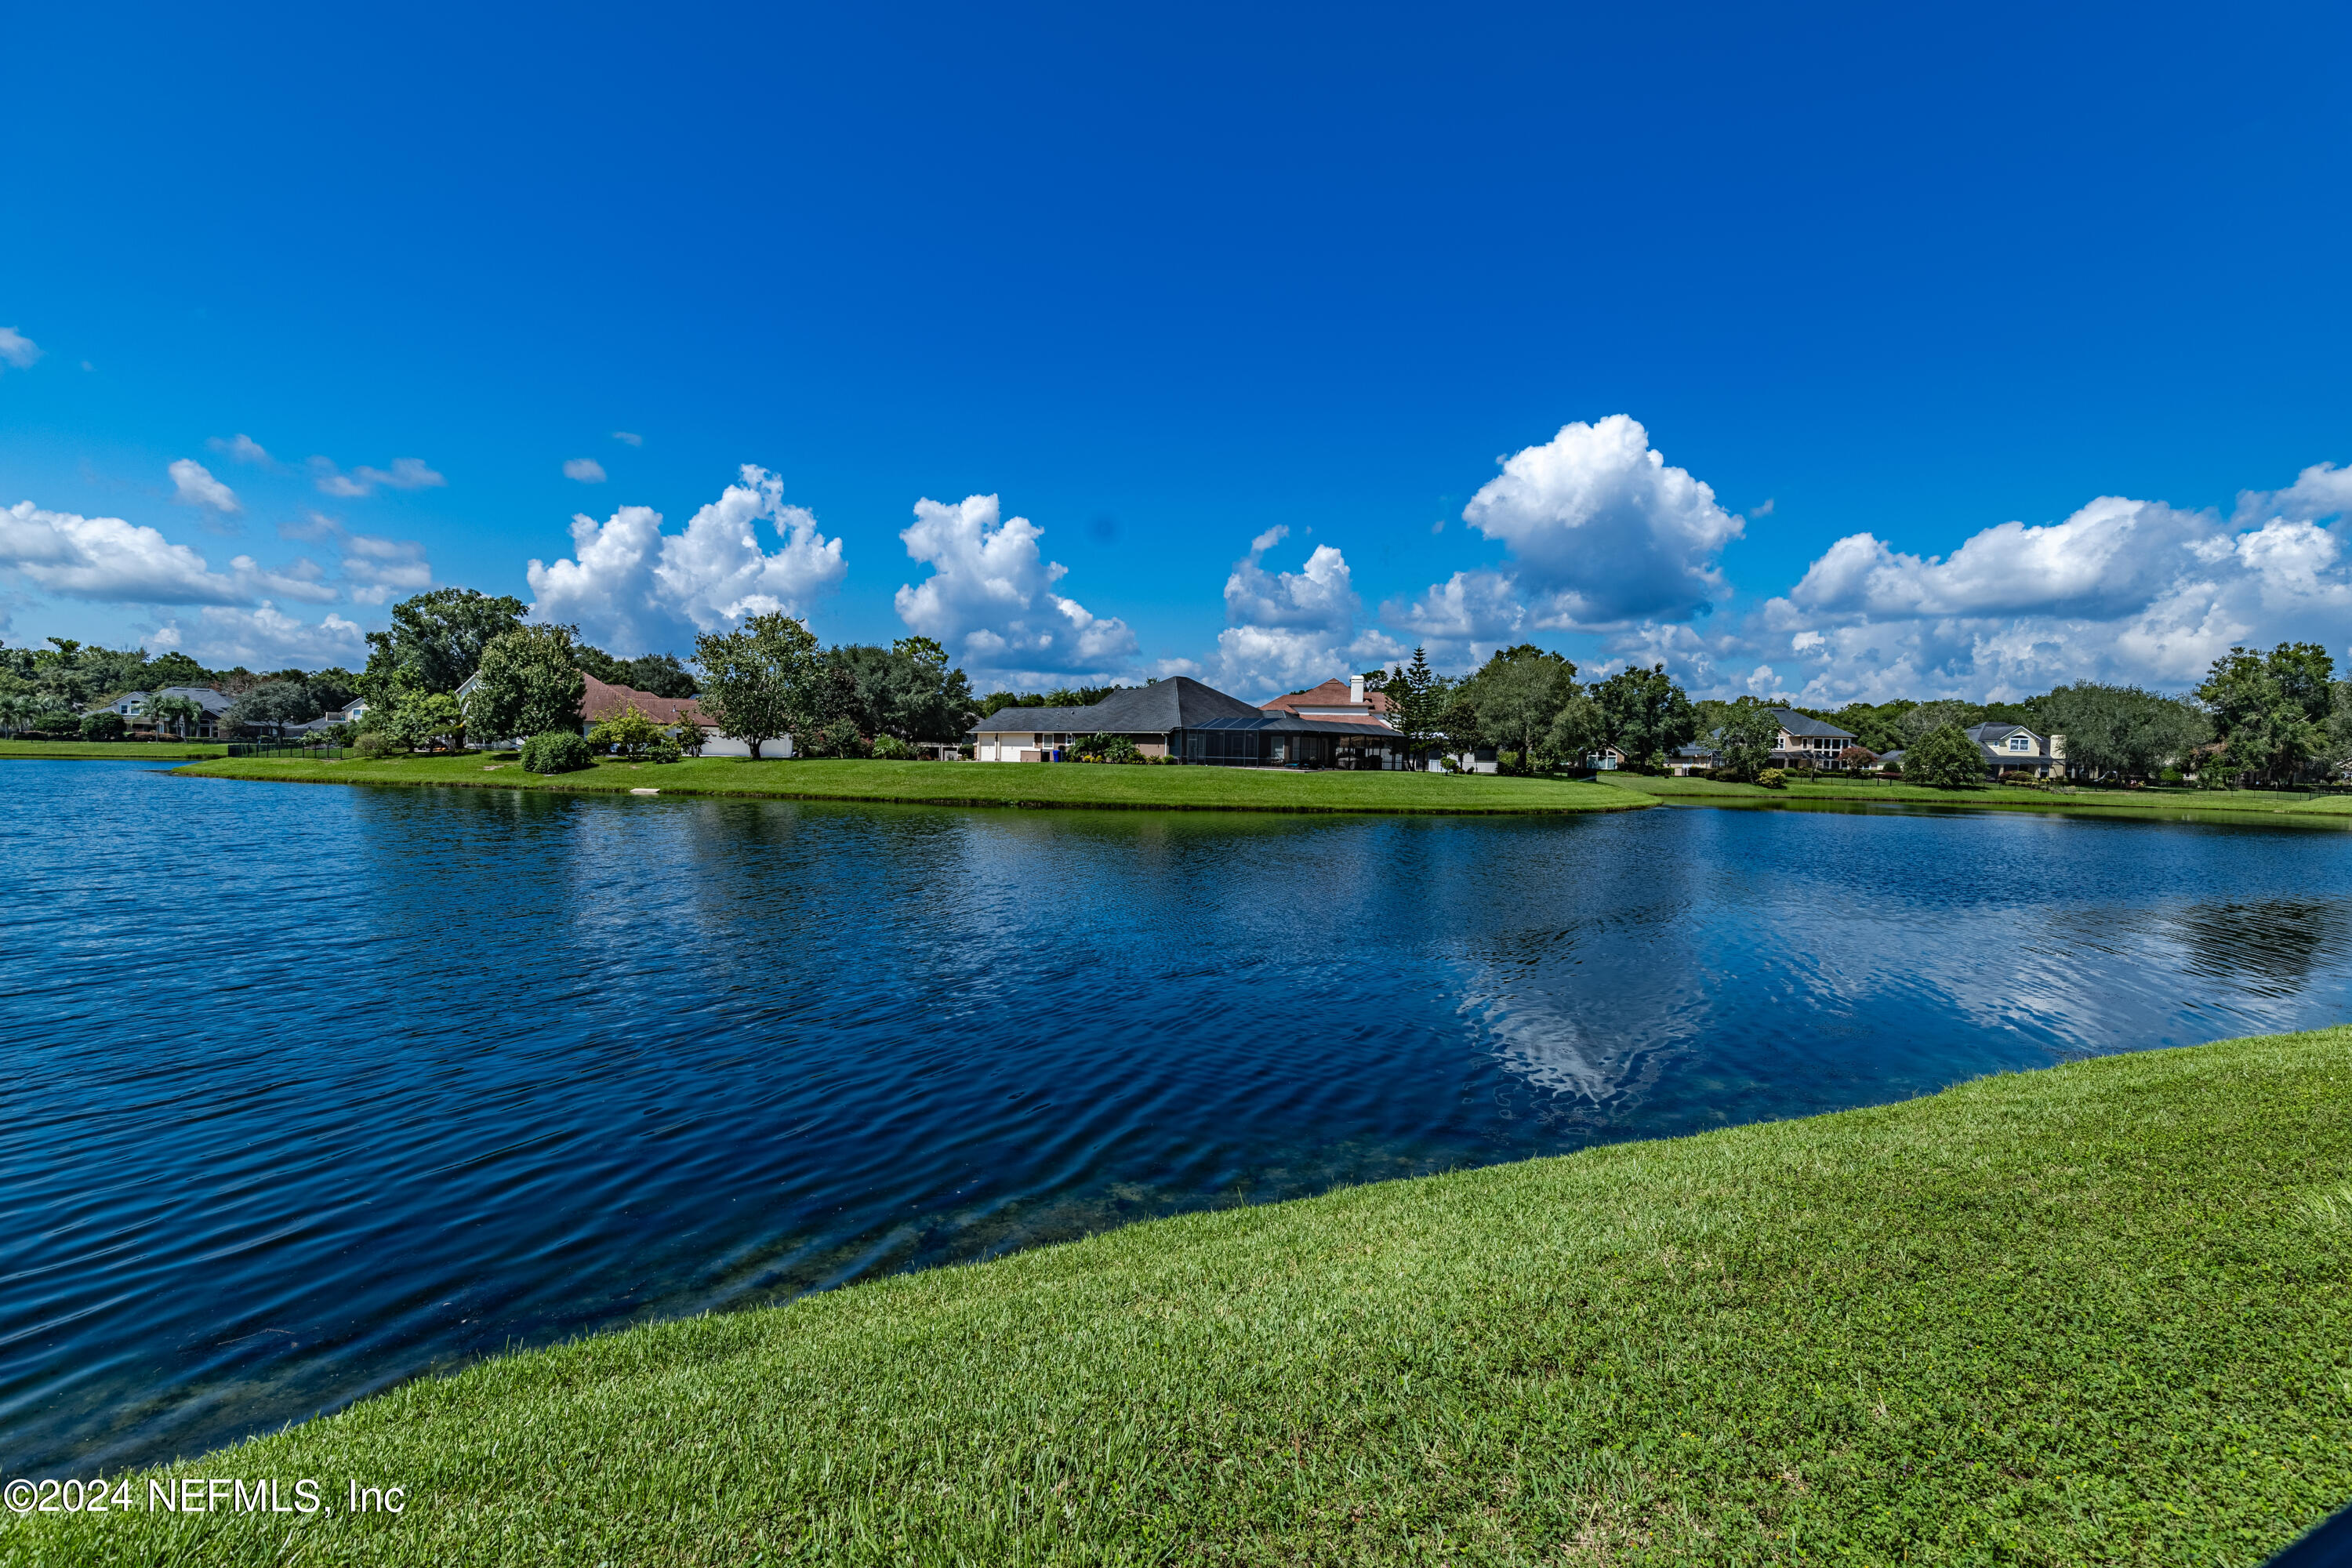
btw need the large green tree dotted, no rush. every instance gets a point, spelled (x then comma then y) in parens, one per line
(531, 683)
(2120, 729)
(1516, 694)
(1944, 758)
(759, 681)
(436, 640)
(1745, 738)
(907, 690)
(2270, 711)
(1645, 715)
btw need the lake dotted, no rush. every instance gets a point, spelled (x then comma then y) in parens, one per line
(312, 1089)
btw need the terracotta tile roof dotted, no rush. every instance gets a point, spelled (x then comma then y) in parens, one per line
(603, 701)
(1332, 693)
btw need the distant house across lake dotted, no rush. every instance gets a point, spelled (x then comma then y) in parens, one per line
(1335, 725)
(133, 706)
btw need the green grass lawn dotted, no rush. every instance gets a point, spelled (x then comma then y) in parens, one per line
(1993, 797)
(2101, 1313)
(143, 750)
(977, 784)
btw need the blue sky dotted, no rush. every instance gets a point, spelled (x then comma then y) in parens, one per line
(1240, 310)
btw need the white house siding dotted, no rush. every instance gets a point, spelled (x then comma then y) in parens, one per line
(727, 746)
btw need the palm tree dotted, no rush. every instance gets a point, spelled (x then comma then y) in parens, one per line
(16, 710)
(183, 710)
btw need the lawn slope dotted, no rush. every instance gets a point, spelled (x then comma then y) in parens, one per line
(2080, 800)
(976, 784)
(2096, 1314)
(129, 751)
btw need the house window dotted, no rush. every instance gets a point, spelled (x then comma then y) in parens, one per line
(2018, 743)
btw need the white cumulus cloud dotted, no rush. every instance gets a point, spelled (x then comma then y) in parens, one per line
(633, 589)
(587, 471)
(1287, 630)
(194, 485)
(108, 559)
(16, 349)
(1604, 531)
(2122, 589)
(990, 600)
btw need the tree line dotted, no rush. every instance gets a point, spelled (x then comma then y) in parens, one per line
(767, 678)
(2272, 718)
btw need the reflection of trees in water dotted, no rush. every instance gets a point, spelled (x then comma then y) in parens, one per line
(2276, 940)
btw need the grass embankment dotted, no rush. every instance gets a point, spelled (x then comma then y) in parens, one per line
(2084, 800)
(2098, 1314)
(975, 783)
(143, 750)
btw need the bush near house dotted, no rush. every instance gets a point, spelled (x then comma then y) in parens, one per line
(104, 725)
(1105, 748)
(557, 751)
(1773, 778)
(890, 748)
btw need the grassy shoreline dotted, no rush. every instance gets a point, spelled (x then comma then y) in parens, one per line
(123, 751)
(2082, 801)
(1030, 784)
(2099, 1313)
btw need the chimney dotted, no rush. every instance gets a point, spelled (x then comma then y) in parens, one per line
(2057, 748)
(1355, 688)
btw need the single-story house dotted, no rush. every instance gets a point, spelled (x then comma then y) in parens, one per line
(1193, 722)
(133, 706)
(1348, 702)
(1335, 699)
(602, 700)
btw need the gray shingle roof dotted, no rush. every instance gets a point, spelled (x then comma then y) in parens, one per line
(1797, 723)
(1176, 703)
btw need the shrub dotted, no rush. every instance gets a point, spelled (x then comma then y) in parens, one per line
(1891, 770)
(663, 751)
(838, 739)
(687, 735)
(629, 732)
(890, 748)
(370, 745)
(1105, 748)
(1945, 758)
(557, 751)
(105, 724)
(1508, 763)
(1773, 778)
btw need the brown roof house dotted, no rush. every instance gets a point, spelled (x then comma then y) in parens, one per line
(603, 700)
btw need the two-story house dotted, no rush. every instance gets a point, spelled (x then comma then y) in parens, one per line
(1809, 740)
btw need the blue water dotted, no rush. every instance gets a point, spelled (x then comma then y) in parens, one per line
(304, 1091)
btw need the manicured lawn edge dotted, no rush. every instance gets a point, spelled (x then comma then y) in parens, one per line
(1559, 797)
(2243, 803)
(2098, 1313)
(110, 750)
